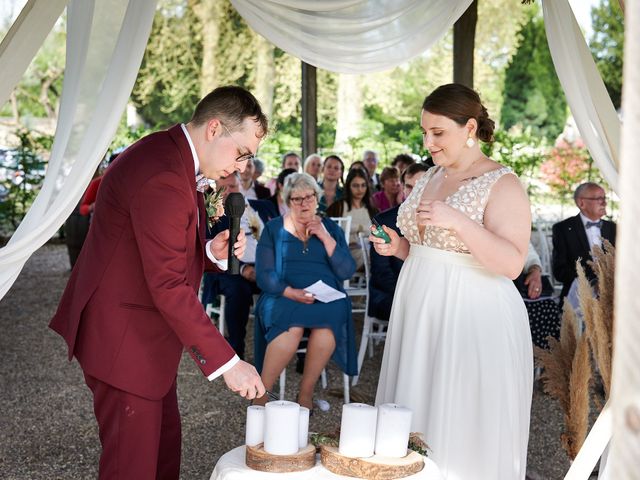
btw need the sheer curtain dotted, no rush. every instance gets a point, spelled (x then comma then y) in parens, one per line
(586, 94)
(352, 36)
(23, 40)
(105, 44)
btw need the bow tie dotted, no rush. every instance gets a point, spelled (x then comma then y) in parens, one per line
(594, 224)
(202, 183)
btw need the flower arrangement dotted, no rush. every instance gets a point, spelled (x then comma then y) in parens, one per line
(213, 202)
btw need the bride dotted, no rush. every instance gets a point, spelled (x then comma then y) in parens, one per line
(458, 350)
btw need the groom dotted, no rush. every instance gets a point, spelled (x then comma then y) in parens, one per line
(131, 305)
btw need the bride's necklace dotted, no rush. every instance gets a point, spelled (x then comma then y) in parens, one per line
(303, 238)
(467, 179)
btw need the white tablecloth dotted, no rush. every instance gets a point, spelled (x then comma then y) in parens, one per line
(231, 466)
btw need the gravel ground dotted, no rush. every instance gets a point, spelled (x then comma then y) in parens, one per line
(47, 428)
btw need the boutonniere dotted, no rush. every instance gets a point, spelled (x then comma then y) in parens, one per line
(213, 203)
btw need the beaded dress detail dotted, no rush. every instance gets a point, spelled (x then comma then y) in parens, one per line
(471, 199)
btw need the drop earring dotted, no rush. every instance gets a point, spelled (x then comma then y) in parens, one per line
(470, 142)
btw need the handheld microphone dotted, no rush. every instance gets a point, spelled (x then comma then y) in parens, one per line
(234, 208)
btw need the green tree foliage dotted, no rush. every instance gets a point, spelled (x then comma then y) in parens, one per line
(607, 44)
(38, 93)
(521, 151)
(496, 41)
(168, 84)
(533, 96)
(21, 175)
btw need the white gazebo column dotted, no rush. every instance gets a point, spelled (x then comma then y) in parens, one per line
(625, 396)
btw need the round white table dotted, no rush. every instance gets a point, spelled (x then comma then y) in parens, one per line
(231, 466)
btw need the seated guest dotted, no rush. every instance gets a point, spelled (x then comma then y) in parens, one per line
(90, 195)
(391, 193)
(238, 289)
(357, 205)
(537, 293)
(402, 161)
(251, 189)
(385, 270)
(289, 160)
(331, 184)
(360, 165)
(574, 237)
(258, 170)
(313, 165)
(294, 252)
(370, 161)
(276, 199)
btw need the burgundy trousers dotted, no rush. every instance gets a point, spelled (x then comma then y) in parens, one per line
(141, 438)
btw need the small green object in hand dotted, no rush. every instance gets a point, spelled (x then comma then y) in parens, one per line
(379, 232)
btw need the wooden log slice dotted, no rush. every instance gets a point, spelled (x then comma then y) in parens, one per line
(257, 459)
(372, 468)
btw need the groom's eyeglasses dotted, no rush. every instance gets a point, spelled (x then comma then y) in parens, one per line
(243, 157)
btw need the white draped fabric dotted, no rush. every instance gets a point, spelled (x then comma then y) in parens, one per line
(624, 460)
(23, 40)
(586, 94)
(352, 36)
(106, 40)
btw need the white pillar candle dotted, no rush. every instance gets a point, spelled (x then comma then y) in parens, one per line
(254, 433)
(393, 430)
(358, 430)
(281, 421)
(303, 428)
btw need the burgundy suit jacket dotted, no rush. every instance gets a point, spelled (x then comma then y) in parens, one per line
(131, 305)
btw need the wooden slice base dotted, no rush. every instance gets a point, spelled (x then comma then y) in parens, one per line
(372, 468)
(257, 459)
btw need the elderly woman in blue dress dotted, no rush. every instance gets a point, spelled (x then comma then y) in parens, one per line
(295, 251)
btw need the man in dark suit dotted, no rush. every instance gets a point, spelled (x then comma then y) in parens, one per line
(370, 160)
(574, 237)
(131, 305)
(251, 189)
(238, 289)
(385, 270)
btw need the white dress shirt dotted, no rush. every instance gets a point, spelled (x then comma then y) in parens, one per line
(594, 234)
(223, 264)
(249, 193)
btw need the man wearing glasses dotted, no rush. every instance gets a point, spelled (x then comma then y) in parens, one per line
(131, 306)
(574, 237)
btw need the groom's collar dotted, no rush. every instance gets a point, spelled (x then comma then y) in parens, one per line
(196, 160)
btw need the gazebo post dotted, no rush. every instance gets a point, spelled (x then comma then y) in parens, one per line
(309, 110)
(464, 38)
(625, 394)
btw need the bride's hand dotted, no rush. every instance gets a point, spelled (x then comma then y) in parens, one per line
(436, 213)
(386, 249)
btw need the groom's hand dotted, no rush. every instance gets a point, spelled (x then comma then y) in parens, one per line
(220, 248)
(244, 380)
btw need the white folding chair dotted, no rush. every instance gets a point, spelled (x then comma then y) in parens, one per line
(219, 311)
(352, 290)
(283, 375)
(373, 329)
(210, 309)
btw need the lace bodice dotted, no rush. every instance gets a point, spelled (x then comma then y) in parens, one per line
(471, 199)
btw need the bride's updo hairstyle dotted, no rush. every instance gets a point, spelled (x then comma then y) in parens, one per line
(460, 103)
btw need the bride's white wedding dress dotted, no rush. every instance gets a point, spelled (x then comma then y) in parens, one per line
(458, 349)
